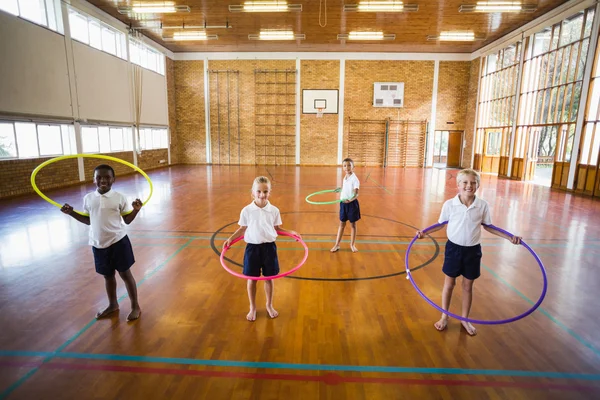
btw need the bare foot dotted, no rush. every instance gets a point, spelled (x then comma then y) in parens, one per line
(354, 249)
(469, 328)
(441, 324)
(134, 314)
(107, 311)
(335, 248)
(251, 316)
(272, 312)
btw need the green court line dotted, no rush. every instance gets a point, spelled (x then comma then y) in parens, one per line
(544, 312)
(380, 186)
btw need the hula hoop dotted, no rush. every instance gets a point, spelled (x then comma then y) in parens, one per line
(323, 202)
(265, 278)
(60, 158)
(477, 321)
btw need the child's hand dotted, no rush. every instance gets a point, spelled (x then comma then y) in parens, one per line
(137, 204)
(420, 235)
(226, 244)
(346, 201)
(515, 240)
(295, 234)
(337, 190)
(67, 209)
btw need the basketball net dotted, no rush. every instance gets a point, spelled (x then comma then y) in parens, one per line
(320, 112)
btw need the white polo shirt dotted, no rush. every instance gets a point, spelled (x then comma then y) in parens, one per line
(464, 224)
(348, 185)
(260, 223)
(106, 224)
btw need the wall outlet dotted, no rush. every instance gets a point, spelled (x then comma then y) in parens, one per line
(162, 161)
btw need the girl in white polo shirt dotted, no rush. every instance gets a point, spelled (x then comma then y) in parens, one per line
(465, 214)
(259, 223)
(110, 244)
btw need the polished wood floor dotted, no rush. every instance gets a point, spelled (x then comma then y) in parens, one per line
(350, 325)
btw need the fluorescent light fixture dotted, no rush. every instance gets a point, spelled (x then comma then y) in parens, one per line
(190, 36)
(265, 6)
(497, 7)
(153, 8)
(277, 35)
(455, 37)
(381, 6)
(366, 36)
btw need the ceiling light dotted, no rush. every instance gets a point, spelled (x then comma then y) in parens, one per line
(152, 8)
(381, 6)
(265, 6)
(277, 35)
(190, 36)
(497, 7)
(366, 36)
(455, 37)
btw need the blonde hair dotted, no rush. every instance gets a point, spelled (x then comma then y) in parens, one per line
(470, 172)
(261, 179)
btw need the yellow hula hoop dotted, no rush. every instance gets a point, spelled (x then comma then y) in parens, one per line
(55, 159)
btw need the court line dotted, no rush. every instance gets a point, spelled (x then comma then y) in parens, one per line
(305, 367)
(328, 379)
(380, 186)
(29, 374)
(544, 312)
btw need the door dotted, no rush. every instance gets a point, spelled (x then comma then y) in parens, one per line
(454, 149)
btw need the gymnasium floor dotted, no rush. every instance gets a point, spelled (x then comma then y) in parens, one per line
(350, 326)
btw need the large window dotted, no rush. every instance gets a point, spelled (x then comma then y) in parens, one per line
(106, 139)
(590, 142)
(43, 12)
(154, 138)
(146, 57)
(100, 36)
(31, 140)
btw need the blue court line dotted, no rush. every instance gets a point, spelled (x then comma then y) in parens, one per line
(305, 367)
(544, 312)
(54, 354)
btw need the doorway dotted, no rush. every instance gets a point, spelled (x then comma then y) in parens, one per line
(447, 149)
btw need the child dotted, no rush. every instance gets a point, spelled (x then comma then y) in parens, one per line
(110, 244)
(349, 207)
(259, 223)
(465, 214)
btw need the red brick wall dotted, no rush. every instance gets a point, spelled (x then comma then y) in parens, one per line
(15, 175)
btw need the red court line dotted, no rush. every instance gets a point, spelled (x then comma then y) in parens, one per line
(328, 379)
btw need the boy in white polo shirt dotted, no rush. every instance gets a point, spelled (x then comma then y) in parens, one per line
(465, 214)
(110, 244)
(259, 223)
(349, 207)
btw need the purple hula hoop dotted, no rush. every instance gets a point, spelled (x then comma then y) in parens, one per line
(477, 321)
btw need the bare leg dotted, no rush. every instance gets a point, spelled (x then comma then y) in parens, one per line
(269, 287)
(338, 240)
(449, 284)
(110, 283)
(251, 286)
(129, 280)
(353, 236)
(467, 286)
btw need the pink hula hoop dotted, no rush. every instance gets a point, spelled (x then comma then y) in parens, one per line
(265, 278)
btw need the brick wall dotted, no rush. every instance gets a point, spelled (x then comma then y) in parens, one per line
(120, 169)
(189, 109)
(319, 136)
(172, 106)
(471, 115)
(150, 159)
(15, 175)
(453, 92)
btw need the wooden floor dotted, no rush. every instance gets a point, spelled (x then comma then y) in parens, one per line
(350, 325)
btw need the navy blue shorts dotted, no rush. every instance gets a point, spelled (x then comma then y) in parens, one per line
(261, 256)
(350, 211)
(116, 257)
(462, 260)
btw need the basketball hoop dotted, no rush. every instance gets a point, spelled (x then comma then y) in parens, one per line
(320, 112)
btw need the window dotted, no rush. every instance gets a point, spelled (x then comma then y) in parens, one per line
(146, 57)
(154, 138)
(98, 35)
(104, 139)
(42, 12)
(30, 140)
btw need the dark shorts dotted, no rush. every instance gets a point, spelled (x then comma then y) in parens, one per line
(116, 257)
(462, 260)
(350, 211)
(261, 256)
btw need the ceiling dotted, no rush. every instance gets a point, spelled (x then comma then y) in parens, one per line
(411, 28)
